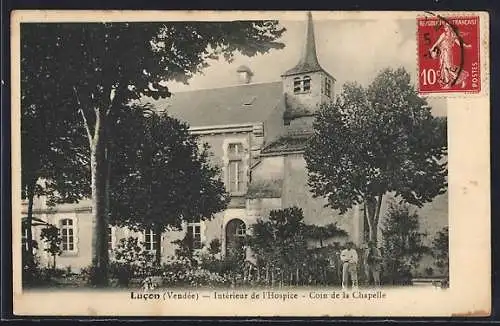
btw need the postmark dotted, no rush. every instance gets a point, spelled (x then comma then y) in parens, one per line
(448, 54)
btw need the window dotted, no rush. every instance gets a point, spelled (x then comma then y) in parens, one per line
(302, 85)
(241, 231)
(235, 176)
(328, 87)
(24, 239)
(306, 84)
(235, 149)
(67, 235)
(151, 239)
(235, 168)
(297, 85)
(235, 236)
(194, 233)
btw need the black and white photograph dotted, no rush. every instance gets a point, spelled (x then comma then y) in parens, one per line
(232, 159)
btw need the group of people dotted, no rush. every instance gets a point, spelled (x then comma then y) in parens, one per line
(372, 259)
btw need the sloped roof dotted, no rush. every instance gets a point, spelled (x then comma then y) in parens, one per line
(287, 143)
(244, 103)
(309, 60)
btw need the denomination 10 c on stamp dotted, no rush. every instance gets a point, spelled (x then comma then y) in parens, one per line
(448, 54)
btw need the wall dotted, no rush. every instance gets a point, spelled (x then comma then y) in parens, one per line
(296, 193)
(82, 256)
(292, 170)
(310, 99)
(270, 167)
(433, 217)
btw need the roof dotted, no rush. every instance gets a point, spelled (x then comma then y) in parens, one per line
(309, 60)
(287, 144)
(246, 103)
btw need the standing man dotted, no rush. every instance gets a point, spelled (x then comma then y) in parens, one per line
(373, 263)
(349, 258)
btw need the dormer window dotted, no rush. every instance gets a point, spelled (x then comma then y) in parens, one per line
(301, 85)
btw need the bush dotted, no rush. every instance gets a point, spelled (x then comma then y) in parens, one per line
(280, 244)
(88, 275)
(180, 271)
(402, 246)
(33, 274)
(131, 260)
(440, 251)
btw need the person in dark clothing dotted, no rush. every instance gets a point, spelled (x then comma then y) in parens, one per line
(373, 263)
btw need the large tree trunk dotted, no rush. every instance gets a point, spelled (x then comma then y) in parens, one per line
(372, 214)
(99, 167)
(29, 222)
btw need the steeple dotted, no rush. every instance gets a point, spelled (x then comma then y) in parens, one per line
(306, 87)
(309, 60)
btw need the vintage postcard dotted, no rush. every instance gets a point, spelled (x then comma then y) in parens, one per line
(207, 163)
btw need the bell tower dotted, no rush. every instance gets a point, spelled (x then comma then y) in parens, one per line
(307, 85)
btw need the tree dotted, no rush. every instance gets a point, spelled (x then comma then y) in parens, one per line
(280, 243)
(161, 177)
(440, 250)
(402, 246)
(101, 67)
(375, 141)
(53, 152)
(322, 233)
(50, 235)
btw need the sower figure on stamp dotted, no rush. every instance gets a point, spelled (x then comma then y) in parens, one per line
(349, 258)
(450, 72)
(373, 263)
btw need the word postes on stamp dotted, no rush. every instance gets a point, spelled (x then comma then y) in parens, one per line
(448, 54)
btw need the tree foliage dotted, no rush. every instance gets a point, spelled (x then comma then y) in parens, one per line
(131, 59)
(160, 175)
(377, 140)
(440, 250)
(324, 232)
(402, 246)
(54, 152)
(52, 239)
(280, 243)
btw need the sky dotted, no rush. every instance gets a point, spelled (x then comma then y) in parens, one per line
(350, 50)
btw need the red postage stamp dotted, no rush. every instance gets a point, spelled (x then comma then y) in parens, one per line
(448, 54)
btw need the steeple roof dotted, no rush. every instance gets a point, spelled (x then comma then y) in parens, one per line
(309, 60)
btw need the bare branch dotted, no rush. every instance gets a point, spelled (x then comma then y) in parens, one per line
(85, 121)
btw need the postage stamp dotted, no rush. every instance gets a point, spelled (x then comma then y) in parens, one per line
(222, 163)
(448, 54)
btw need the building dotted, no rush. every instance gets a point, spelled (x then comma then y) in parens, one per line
(257, 133)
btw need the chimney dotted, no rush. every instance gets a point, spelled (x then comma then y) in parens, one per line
(244, 74)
